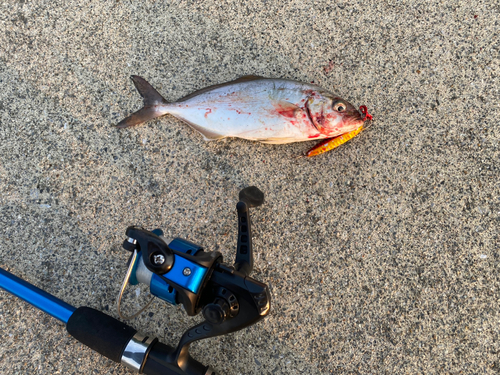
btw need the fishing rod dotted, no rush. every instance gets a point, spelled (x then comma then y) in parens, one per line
(178, 272)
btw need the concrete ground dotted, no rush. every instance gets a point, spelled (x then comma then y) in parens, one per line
(382, 256)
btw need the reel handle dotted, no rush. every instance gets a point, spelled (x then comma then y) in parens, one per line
(249, 197)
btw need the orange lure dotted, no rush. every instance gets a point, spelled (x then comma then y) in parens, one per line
(330, 144)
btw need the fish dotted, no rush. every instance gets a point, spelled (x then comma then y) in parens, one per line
(267, 110)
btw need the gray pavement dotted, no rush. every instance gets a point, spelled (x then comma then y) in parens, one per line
(382, 256)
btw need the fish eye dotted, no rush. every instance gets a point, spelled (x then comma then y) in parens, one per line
(339, 107)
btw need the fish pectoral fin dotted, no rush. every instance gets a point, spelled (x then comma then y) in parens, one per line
(287, 109)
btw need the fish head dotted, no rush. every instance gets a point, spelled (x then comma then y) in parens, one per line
(332, 115)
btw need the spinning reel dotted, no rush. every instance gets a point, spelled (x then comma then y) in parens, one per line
(180, 272)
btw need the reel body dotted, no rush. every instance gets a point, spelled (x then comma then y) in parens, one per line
(181, 272)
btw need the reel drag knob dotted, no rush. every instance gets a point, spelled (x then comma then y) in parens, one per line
(217, 311)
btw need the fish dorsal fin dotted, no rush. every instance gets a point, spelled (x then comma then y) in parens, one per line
(214, 87)
(247, 79)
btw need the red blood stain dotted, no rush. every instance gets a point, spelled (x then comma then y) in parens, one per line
(286, 111)
(313, 136)
(319, 118)
(475, 15)
(328, 68)
(209, 110)
(240, 112)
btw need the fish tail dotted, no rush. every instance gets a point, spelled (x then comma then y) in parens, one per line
(152, 102)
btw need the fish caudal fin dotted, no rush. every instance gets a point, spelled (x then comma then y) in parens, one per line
(152, 101)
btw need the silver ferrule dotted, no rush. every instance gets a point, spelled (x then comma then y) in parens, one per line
(135, 352)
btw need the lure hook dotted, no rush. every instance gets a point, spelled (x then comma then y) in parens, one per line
(364, 111)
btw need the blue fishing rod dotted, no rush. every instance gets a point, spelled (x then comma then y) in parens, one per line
(178, 272)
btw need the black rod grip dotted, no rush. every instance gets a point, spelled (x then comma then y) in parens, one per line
(100, 332)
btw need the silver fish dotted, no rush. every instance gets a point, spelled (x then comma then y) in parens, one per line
(254, 108)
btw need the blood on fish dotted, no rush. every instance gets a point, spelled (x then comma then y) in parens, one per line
(240, 112)
(209, 110)
(285, 112)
